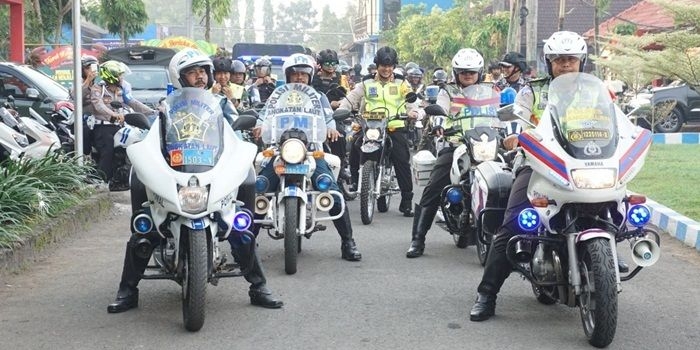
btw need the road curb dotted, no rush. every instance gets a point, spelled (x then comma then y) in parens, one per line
(681, 227)
(52, 230)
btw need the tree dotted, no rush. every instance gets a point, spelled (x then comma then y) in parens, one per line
(268, 19)
(249, 22)
(124, 17)
(235, 18)
(674, 54)
(217, 10)
(293, 22)
(326, 36)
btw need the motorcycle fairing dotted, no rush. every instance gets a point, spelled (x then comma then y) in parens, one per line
(532, 146)
(629, 162)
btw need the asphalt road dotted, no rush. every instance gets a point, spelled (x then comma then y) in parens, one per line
(383, 302)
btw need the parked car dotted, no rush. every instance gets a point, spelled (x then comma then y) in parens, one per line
(674, 106)
(31, 88)
(149, 76)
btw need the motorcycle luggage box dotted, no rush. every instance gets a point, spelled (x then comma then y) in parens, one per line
(498, 182)
(421, 165)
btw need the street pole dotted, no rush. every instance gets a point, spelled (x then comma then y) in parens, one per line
(562, 12)
(514, 27)
(531, 34)
(77, 82)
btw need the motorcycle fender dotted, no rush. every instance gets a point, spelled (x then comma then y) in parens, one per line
(593, 233)
(454, 170)
(292, 191)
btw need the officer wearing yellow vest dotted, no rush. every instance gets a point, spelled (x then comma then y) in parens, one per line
(564, 52)
(384, 89)
(467, 70)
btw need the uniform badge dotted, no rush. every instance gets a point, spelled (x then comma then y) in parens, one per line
(372, 92)
(393, 90)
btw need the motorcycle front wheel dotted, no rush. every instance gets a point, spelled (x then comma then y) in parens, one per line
(194, 284)
(598, 300)
(367, 195)
(291, 236)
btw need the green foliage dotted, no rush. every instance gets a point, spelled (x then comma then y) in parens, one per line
(324, 37)
(38, 188)
(292, 22)
(625, 29)
(249, 22)
(431, 40)
(670, 179)
(269, 20)
(124, 17)
(636, 60)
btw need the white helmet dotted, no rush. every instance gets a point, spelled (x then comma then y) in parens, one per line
(565, 43)
(187, 58)
(299, 62)
(469, 60)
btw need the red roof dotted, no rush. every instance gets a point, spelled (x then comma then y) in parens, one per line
(647, 16)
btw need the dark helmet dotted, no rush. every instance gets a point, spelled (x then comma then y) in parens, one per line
(263, 66)
(411, 65)
(439, 76)
(514, 59)
(386, 56)
(87, 60)
(371, 66)
(327, 55)
(222, 64)
(238, 67)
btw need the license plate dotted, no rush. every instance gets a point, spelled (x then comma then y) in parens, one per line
(296, 168)
(374, 115)
(198, 157)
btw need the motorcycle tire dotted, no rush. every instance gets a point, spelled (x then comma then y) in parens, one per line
(194, 284)
(367, 192)
(482, 252)
(598, 300)
(291, 236)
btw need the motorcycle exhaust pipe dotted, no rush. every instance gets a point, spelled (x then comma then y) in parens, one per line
(262, 204)
(324, 201)
(523, 251)
(143, 248)
(645, 252)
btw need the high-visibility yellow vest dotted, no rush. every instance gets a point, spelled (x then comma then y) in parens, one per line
(390, 96)
(539, 87)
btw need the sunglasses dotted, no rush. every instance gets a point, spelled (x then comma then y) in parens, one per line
(329, 64)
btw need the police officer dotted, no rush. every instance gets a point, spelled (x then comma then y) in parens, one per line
(564, 52)
(108, 119)
(191, 68)
(467, 70)
(387, 90)
(262, 81)
(513, 66)
(299, 68)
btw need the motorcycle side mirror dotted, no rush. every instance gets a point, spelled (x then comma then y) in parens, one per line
(137, 120)
(435, 110)
(341, 114)
(10, 99)
(250, 112)
(505, 113)
(116, 104)
(244, 122)
(411, 97)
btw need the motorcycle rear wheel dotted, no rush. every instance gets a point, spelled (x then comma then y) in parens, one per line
(367, 196)
(291, 236)
(194, 284)
(598, 300)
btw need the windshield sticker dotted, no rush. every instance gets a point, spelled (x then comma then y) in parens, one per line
(582, 114)
(294, 98)
(176, 158)
(294, 121)
(190, 127)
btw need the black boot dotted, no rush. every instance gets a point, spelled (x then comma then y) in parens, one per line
(262, 296)
(484, 307)
(421, 224)
(128, 293)
(405, 205)
(348, 248)
(259, 294)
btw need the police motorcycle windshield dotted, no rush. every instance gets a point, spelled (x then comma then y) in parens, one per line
(192, 130)
(478, 107)
(296, 106)
(583, 115)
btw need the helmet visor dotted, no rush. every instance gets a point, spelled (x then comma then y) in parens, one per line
(554, 57)
(465, 70)
(298, 69)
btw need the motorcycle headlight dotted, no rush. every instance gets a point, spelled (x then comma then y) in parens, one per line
(193, 198)
(293, 151)
(21, 140)
(373, 134)
(484, 150)
(594, 178)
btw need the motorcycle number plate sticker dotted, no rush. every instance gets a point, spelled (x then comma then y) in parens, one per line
(198, 157)
(373, 115)
(296, 168)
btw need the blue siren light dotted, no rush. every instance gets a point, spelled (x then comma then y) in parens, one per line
(639, 215)
(454, 195)
(242, 221)
(323, 182)
(261, 184)
(143, 224)
(528, 220)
